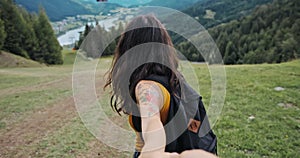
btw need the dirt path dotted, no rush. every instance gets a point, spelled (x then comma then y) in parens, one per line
(58, 83)
(33, 128)
(19, 137)
(16, 139)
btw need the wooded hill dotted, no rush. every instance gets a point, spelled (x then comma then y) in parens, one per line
(213, 12)
(271, 34)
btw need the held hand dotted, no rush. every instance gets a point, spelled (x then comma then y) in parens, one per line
(197, 154)
(185, 154)
(172, 155)
(159, 155)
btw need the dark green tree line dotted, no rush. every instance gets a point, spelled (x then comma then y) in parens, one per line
(2, 33)
(28, 35)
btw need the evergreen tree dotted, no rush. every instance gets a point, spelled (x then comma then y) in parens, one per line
(2, 34)
(296, 30)
(14, 28)
(289, 47)
(83, 35)
(49, 49)
(120, 28)
(30, 42)
(102, 35)
(87, 30)
(230, 54)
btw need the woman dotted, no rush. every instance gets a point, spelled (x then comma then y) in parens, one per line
(143, 51)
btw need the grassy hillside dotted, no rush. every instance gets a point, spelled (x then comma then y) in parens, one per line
(69, 56)
(38, 118)
(11, 60)
(258, 121)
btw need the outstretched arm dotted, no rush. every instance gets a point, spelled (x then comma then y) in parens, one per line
(150, 101)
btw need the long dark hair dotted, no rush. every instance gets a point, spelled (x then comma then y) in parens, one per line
(146, 30)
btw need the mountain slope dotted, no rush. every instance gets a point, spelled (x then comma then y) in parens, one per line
(175, 4)
(56, 9)
(59, 9)
(270, 34)
(97, 7)
(213, 12)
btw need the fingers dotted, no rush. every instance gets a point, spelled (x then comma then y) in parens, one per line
(172, 155)
(196, 154)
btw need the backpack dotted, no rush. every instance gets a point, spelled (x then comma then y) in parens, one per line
(187, 125)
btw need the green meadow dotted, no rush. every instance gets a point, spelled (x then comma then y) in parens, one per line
(38, 117)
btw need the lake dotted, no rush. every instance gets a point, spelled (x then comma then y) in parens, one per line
(71, 36)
